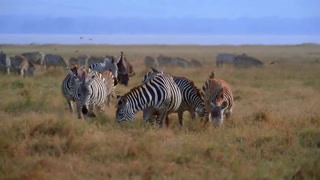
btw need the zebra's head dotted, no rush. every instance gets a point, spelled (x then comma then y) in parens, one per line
(124, 111)
(217, 113)
(85, 90)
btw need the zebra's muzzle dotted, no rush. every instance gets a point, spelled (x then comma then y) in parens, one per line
(85, 110)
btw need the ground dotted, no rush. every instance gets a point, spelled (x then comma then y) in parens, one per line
(274, 132)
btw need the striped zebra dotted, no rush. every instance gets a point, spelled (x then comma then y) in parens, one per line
(191, 98)
(107, 65)
(67, 87)
(21, 65)
(54, 61)
(218, 99)
(35, 57)
(91, 91)
(159, 93)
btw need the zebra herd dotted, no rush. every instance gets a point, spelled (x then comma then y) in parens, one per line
(158, 95)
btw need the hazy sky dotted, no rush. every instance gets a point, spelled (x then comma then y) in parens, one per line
(163, 8)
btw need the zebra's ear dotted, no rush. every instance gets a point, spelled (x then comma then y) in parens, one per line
(224, 105)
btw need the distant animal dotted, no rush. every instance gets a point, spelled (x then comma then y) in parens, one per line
(225, 58)
(36, 57)
(191, 98)
(172, 61)
(151, 62)
(22, 66)
(76, 51)
(53, 60)
(125, 70)
(274, 62)
(218, 100)
(195, 63)
(160, 93)
(80, 61)
(246, 61)
(5, 62)
(92, 91)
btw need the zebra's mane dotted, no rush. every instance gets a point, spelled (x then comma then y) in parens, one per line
(211, 76)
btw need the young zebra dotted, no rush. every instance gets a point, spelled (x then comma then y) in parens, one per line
(160, 93)
(191, 98)
(107, 65)
(67, 87)
(91, 91)
(218, 99)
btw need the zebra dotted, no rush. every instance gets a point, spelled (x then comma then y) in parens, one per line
(151, 62)
(225, 58)
(191, 98)
(35, 57)
(5, 62)
(80, 61)
(21, 65)
(159, 93)
(218, 99)
(54, 60)
(91, 91)
(107, 65)
(67, 87)
(246, 61)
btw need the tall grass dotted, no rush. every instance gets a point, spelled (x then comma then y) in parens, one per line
(274, 132)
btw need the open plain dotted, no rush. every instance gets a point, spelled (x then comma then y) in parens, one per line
(273, 133)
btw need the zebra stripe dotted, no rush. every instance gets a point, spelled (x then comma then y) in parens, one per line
(160, 93)
(191, 98)
(218, 99)
(91, 92)
(67, 87)
(107, 65)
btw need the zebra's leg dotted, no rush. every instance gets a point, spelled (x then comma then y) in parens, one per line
(70, 106)
(206, 118)
(180, 117)
(192, 114)
(167, 121)
(160, 119)
(8, 70)
(79, 110)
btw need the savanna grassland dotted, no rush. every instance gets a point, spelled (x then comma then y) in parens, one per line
(274, 132)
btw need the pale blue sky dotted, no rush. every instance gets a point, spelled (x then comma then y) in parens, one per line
(163, 8)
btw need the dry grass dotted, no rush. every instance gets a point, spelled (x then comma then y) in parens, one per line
(274, 132)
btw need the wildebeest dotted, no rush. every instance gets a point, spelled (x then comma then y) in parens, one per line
(35, 57)
(80, 61)
(54, 61)
(5, 62)
(125, 70)
(225, 58)
(151, 62)
(22, 66)
(246, 61)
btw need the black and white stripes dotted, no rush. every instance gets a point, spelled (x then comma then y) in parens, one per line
(159, 93)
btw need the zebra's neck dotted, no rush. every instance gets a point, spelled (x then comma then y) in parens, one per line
(139, 98)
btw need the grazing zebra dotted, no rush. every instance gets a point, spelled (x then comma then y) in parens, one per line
(35, 57)
(191, 98)
(21, 65)
(80, 61)
(5, 62)
(159, 93)
(218, 99)
(67, 87)
(55, 61)
(91, 91)
(225, 58)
